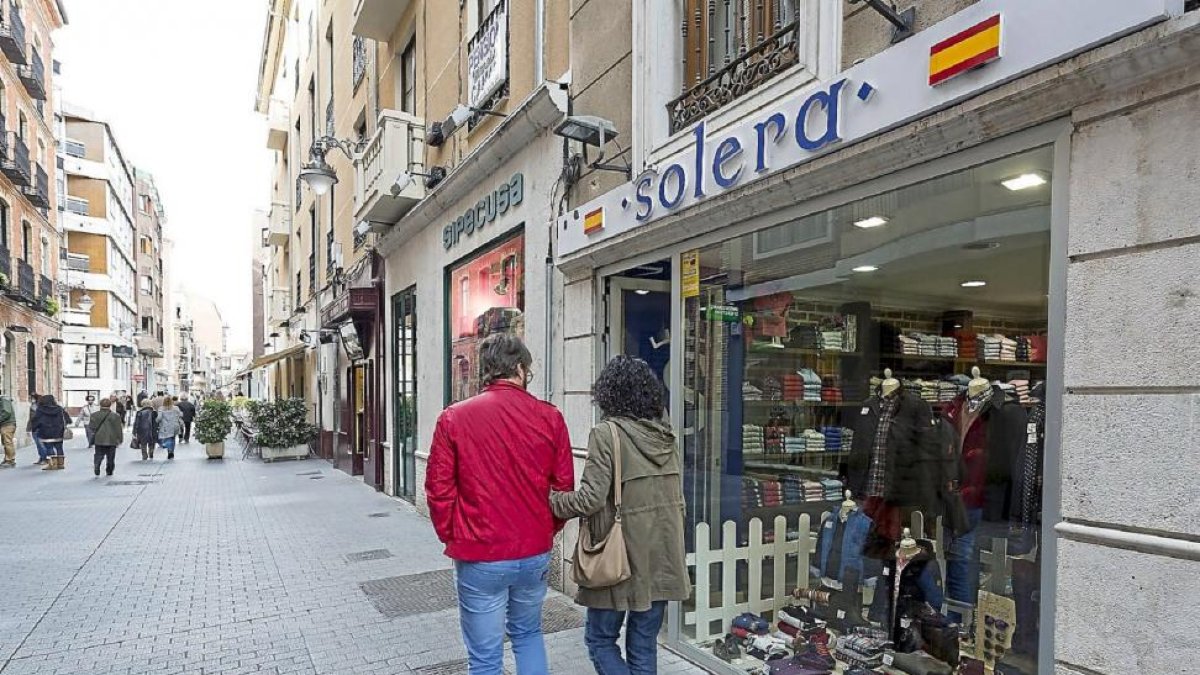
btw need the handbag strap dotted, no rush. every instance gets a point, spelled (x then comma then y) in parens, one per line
(616, 468)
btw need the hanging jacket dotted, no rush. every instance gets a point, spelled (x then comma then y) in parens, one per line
(145, 427)
(990, 447)
(652, 508)
(910, 453)
(50, 422)
(853, 537)
(493, 461)
(920, 582)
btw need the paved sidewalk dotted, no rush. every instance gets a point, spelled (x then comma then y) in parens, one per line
(197, 567)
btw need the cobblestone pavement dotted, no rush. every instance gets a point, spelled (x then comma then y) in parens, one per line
(196, 566)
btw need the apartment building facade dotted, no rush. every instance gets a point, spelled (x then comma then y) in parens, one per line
(29, 236)
(150, 369)
(101, 323)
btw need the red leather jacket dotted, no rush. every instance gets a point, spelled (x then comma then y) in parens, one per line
(494, 459)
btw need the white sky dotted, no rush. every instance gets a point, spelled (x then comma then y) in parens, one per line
(176, 82)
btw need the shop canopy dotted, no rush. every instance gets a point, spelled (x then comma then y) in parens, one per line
(264, 361)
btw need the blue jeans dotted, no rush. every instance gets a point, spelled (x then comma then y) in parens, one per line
(495, 598)
(962, 564)
(53, 448)
(168, 444)
(641, 640)
(41, 447)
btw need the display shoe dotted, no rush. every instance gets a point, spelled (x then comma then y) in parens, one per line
(727, 649)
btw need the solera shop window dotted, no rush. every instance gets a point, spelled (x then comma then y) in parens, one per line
(864, 424)
(487, 295)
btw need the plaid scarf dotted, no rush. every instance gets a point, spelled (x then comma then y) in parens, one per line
(876, 478)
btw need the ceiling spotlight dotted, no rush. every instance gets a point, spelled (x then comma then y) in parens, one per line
(1024, 181)
(873, 221)
(974, 284)
(642, 291)
(865, 268)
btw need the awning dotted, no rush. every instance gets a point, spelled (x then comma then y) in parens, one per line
(267, 360)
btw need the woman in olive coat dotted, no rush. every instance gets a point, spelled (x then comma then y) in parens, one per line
(632, 400)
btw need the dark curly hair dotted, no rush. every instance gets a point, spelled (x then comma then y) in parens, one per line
(627, 387)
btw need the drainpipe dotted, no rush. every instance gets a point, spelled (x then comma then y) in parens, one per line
(539, 42)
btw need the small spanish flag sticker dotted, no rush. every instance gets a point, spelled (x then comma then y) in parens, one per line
(593, 221)
(969, 49)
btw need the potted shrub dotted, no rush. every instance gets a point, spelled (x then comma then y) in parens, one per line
(283, 428)
(212, 427)
(50, 306)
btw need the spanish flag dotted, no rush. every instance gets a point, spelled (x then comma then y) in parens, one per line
(593, 221)
(969, 49)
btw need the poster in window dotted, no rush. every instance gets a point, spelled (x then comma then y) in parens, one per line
(487, 295)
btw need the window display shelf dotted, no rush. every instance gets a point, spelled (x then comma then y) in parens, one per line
(1013, 364)
(793, 468)
(798, 351)
(799, 404)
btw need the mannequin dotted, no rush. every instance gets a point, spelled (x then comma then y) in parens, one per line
(848, 505)
(908, 548)
(890, 384)
(978, 385)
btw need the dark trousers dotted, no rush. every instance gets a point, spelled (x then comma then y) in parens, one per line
(108, 453)
(187, 431)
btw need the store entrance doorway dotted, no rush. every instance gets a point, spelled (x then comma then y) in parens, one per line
(638, 303)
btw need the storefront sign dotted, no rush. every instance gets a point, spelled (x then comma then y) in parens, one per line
(690, 272)
(335, 310)
(880, 93)
(726, 313)
(493, 205)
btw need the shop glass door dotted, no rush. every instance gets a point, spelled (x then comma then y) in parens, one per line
(404, 386)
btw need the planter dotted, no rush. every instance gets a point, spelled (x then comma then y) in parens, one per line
(294, 452)
(215, 450)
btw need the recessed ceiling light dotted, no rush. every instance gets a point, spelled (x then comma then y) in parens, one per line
(873, 221)
(974, 284)
(642, 291)
(865, 268)
(1024, 181)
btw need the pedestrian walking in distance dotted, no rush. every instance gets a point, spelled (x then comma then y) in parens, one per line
(108, 432)
(632, 401)
(37, 442)
(119, 407)
(50, 424)
(85, 418)
(145, 429)
(188, 410)
(8, 428)
(170, 423)
(493, 461)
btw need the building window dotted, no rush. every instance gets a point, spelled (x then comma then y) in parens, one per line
(45, 257)
(48, 367)
(74, 148)
(491, 300)
(26, 241)
(4, 226)
(147, 285)
(408, 77)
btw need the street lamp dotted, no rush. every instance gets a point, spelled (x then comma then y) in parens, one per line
(317, 173)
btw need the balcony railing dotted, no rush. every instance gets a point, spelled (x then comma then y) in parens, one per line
(26, 286)
(39, 192)
(397, 146)
(279, 225)
(74, 148)
(6, 264)
(79, 262)
(770, 56)
(45, 288)
(33, 76)
(487, 58)
(78, 205)
(358, 67)
(12, 34)
(15, 162)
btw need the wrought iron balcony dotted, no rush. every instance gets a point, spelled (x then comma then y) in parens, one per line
(45, 288)
(751, 69)
(15, 162)
(26, 286)
(12, 34)
(358, 66)
(33, 76)
(39, 192)
(6, 264)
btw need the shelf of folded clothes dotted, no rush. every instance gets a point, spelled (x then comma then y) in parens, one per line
(1012, 364)
(768, 348)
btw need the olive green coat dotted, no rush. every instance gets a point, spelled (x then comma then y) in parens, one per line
(652, 496)
(106, 428)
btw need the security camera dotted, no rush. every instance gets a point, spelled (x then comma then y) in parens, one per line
(362, 228)
(401, 183)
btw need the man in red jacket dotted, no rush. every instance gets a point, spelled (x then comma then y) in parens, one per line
(495, 458)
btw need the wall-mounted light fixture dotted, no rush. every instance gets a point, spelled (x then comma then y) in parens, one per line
(590, 131)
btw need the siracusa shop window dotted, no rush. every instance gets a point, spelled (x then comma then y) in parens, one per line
(864, 424)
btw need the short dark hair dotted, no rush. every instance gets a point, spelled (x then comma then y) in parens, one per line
(628, 387)
(499, 356)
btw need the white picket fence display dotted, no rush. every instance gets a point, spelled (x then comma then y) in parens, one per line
(757, 552)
